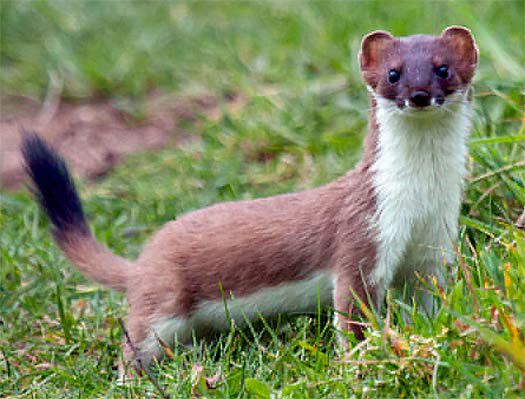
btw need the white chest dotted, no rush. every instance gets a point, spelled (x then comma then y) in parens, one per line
(418, 177)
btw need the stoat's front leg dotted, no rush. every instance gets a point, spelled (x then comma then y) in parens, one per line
(350, 288)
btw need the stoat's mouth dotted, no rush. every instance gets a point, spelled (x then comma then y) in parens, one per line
(410, 110)
(431, 104)
(403, 107)
(422, 110)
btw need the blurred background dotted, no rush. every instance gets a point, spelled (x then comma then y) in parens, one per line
(165, 107)
(102, 79)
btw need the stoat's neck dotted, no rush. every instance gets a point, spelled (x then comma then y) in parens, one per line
(418, 167)
(371, 140)
(420, 160)
(420, 148)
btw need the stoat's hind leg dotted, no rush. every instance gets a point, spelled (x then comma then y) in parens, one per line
(168, 331)
(144, 345)
(135, 331)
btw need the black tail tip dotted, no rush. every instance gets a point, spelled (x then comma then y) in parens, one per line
(53, 185)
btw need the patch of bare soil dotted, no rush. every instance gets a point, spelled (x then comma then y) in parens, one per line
(93, 136)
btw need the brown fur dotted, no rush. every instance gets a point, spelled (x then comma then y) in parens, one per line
(245, 246)
(94, 260)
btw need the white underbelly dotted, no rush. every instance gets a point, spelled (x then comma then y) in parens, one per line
(298, 297)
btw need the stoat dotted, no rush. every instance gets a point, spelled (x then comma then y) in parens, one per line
(374, 228)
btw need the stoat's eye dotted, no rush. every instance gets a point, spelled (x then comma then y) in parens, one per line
(442, 71)
(394, 76)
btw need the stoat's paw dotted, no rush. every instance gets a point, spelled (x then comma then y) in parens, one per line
(126, 373)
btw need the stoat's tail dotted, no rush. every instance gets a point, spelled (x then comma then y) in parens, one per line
(55, 190)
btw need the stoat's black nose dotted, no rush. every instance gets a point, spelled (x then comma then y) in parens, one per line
(420, 98)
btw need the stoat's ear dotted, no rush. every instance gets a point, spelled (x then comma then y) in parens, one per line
(461, 41)
(373, 48)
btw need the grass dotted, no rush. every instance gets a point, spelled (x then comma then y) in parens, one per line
(302, 126)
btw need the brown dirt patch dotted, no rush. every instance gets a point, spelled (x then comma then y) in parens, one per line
(94, 135)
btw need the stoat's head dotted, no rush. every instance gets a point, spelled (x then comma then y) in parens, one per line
(420, 72)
